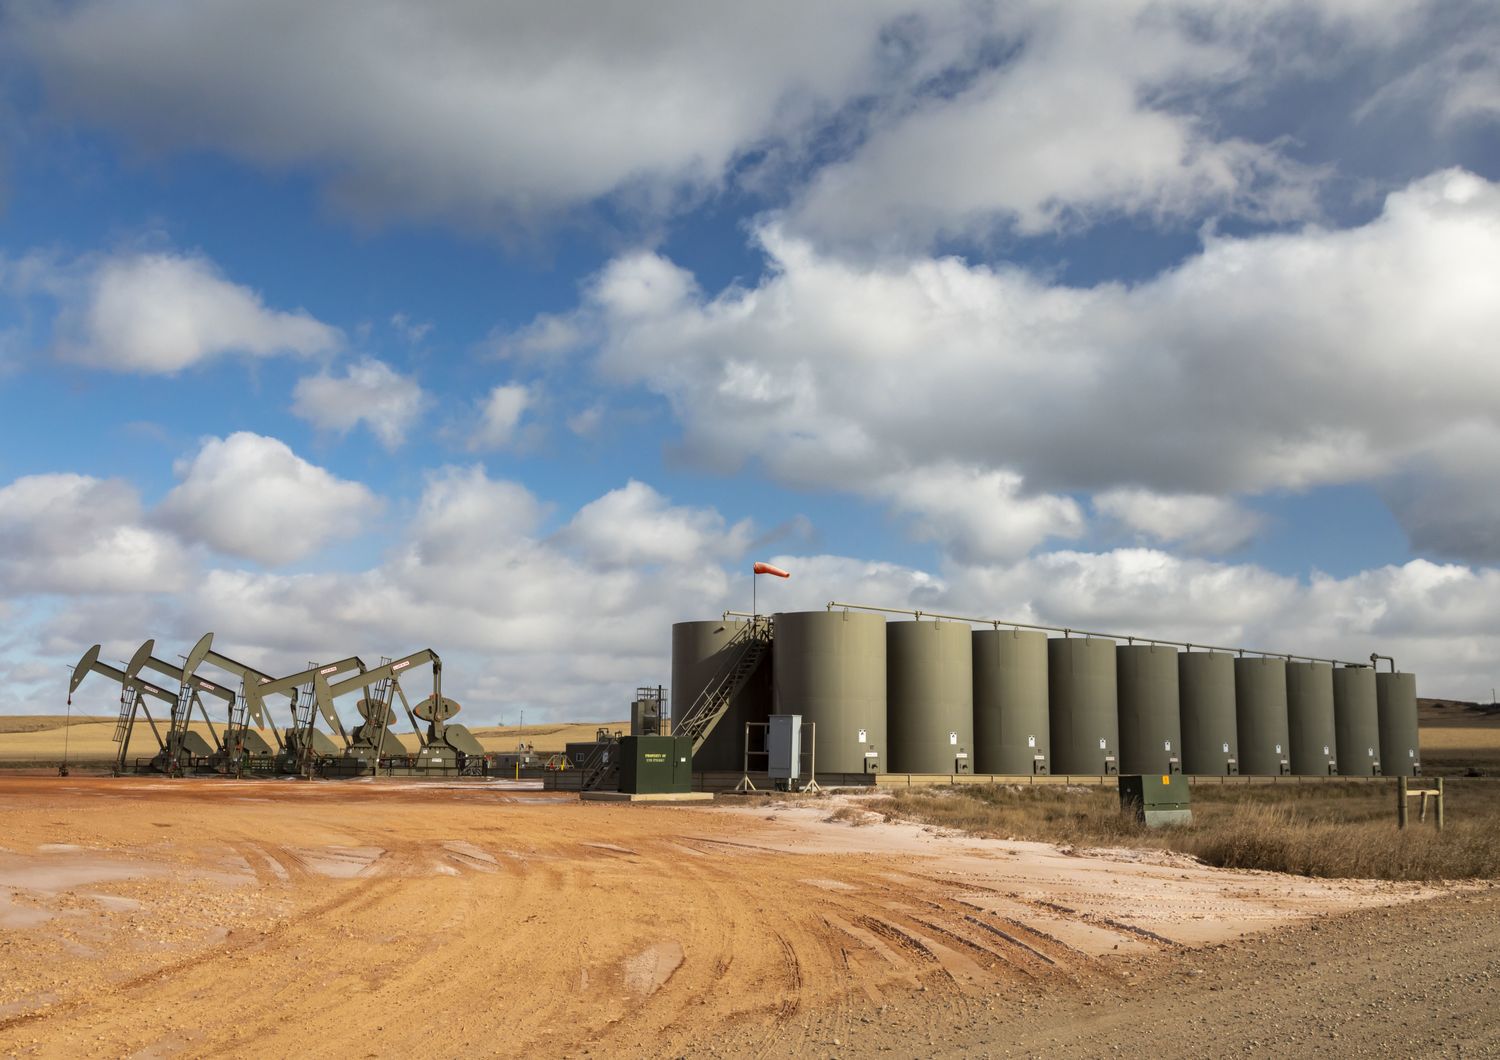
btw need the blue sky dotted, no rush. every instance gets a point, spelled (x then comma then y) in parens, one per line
(521, 332)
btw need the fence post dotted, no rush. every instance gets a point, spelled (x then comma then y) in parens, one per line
(1439, 804)
(1401, 802)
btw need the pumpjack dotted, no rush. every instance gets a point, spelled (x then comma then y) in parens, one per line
(303, 745)
(183, 748)
(134, 691)
(443, 747)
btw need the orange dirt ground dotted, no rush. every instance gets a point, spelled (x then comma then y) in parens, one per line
(146, 917)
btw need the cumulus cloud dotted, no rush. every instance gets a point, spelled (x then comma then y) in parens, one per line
(158, 313)
(978, 515)
(506, 110)
(637, 525)
(561, 622)
(1089, 118)
(251, 496)
(500, 416)
(69, 533)
(369, 392)
(937, 115)
(1288, 360)
(1200, 522)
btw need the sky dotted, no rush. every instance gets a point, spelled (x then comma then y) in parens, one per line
(520, 331)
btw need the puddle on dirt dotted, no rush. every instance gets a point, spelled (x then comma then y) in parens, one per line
(58, 873)
(15, 917)
(648, 971)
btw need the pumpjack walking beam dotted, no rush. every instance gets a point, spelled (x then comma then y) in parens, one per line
(255, 693)
(193, 689)
(134, 691)
(326, 693)
(253, 713)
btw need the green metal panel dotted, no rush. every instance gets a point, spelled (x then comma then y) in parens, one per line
(1081, 689)
(698, 655)
(1309, 707)
(930, 696)
(1396, 697)
(1260, 709)
(1010, 702)
(1156, 799)
(1150, 726)
(1210, 740)
(655, 765)
(1356, 721)
(829, 666)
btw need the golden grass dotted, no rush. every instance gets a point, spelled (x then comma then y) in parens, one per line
(37, 740)
(1331, 830)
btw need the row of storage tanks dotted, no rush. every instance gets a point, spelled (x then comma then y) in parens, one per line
(925, 696)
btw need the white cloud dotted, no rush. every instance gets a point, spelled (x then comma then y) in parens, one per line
(1090, 117)
(979, 516)
(251, 496)
(567, 623)
(69, 533)
(507, 110)
(369, 392)
(158, 313)
(500, 416)
(1200, 522)
(636, 525)
(1280, 361)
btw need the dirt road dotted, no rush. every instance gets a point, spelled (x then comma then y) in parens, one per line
(144, 917)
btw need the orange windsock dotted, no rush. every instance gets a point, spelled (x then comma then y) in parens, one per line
(766, 568)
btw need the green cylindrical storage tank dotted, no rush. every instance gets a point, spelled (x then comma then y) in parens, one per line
(1356, 721)
(1010, 702)
(1396, 697)
(1150, 728)
(1260, 710)
(1210, 740)
(1309, 708)
(700, 651)
(1081, 694)
(829, 666)
(929, 687)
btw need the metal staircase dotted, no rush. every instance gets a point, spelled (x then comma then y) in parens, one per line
(127, 704)
(743, 654)
(602, 765)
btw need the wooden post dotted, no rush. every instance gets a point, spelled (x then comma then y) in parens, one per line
(1401, 802)
(1439, 804)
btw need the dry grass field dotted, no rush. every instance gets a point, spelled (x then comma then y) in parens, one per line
(37, 740)
(210, 917)
(1326, 830)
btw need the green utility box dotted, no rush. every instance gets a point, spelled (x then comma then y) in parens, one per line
(1156, 799)
(656, 765)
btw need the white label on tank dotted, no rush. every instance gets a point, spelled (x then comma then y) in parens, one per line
(1278, 748)
(862, 736)
(1031, 741)
(1101, 745)
(1167, 745)
(1410, 753)
(1226, 747)
(1325, 749)
(872, 754)
(953, 739)
(1370, 751)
